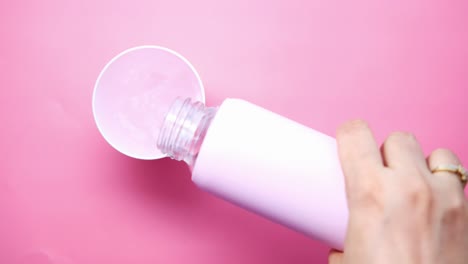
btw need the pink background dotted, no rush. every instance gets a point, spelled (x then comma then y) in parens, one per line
(67, 197)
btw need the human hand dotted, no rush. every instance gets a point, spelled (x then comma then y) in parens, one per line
(399, 211)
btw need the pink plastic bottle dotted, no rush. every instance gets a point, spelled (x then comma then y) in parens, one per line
(240, 152)
(262, 162)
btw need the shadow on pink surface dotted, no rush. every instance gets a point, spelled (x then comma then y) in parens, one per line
(137, 212)
(165, 190)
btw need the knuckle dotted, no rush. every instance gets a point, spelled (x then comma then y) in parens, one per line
(455, 212)
(368, 202)
(457, 204)
(368, 196)
(419, 195)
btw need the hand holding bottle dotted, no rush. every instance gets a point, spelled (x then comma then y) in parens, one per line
(400, 210)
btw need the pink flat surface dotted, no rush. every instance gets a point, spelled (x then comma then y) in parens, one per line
(67, 197)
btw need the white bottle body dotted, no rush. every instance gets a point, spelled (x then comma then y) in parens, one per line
(274, 167)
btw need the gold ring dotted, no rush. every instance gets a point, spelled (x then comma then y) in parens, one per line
(456, 169)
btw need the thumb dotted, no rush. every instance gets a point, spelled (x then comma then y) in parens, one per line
(335, 257)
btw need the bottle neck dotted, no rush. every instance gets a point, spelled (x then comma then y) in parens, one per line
(184, 128)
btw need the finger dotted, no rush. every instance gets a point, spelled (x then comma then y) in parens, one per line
(443, 180)
(335, 257)
(402, 151)
(359, 155)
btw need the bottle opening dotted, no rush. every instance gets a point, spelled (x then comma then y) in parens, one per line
(184, 129)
